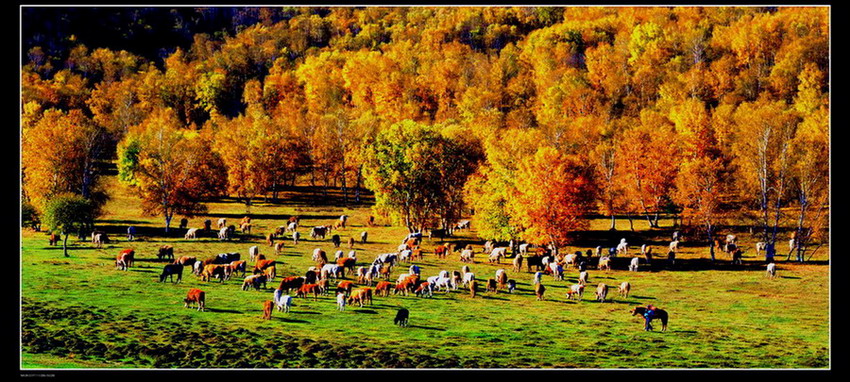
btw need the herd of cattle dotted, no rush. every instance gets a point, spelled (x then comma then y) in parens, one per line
(327, 276)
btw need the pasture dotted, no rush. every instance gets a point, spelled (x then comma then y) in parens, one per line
(81, 312)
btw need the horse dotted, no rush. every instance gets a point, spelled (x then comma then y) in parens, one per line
(660, 314)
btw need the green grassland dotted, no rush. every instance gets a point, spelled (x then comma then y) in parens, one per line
(81, 312)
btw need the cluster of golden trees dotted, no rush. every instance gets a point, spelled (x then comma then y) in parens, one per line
(538, 115)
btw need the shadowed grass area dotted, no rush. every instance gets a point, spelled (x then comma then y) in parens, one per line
(82, 312)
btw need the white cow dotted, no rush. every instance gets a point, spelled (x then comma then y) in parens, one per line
(414, 269)
(223, 234)
(405, 255)
(338, 255)
(601, 292)
(523, 249)
(570, 259)
(771, 270)
(467, 255)
(281, 301)
(674, 246)
(497, 254)
(192, 233)
(633, 266)
(583, 278)
(340, 301)
(468, 277)
(760, 246)
(253, 252)
(352, 254)
(623, 247)
(295, 237)
(330, 271)
(557, 271)
(222, 223)
(624, 289)
(576, 290)
(291, 227)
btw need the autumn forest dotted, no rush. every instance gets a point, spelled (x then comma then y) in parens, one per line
(532, 118)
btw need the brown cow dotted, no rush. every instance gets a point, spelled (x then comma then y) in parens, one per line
(220, 271)
(361, 296)
(254, 281)
(270, 239)
(125, 259)
(324, 286)
(165, 251)
(261, 265)
(268, 306)
(237, 266)
(539, 289)
(491, 285)
(441, 251)
(195, 296)
(270, 272)
(473, 288)
(351, 242)
(307, 289)
(186, 260)
(348, 263)
(383, 288)
(290, 283)
(344, 287)
(278, 248)
(54, 239)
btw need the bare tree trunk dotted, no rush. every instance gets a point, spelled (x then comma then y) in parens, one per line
(65, 246)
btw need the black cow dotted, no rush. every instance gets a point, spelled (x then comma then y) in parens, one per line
(401, 317)
(336, 240)
(170, 270)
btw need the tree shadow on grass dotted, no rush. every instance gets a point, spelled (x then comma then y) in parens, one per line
(427, 328)
(643, 297)
(367, 311)
(215, 310)
(289, 320)
(301, 312)
(789, 277)
(494, 298)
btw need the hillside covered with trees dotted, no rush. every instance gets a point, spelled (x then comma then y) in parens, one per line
(530, 117)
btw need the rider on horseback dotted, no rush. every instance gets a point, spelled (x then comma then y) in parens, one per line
(648, 316)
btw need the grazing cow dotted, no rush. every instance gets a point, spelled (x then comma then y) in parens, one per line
(473, 288)
(224, 234)
(330, 270)
(222, 222)
(340, 301)
(54, 239)
(501, 278)
(268, 307)
(539, 289)
(195, 296)
(344, 287)
(441, 251)
(270, 272)
(523, 249)
(497, 254)
(468, 277)
(383, 288)
(170, 270)
(219, 271)
(226, 258)
(278, 248)
(534, 260)
(253, 251)
(324, 286)
(467, 255)
(319, 254)
(245, 227)
(760, 247)
(347, 263)
(125, 259)
(184, 223)
(207, 225)
(291, 227)
(237, 266)
(97, 240)
(336, 240)
(492, 285)
(283, 302)
(623, 247)
(557, 271)
(351, 242)
(318, 232)
(363, 237)
(270, 239)
(633, 266)
(198, 267)
(511, 286)
(424, 289)
(488, 246)
(361, 296)
(576, 290)
(186, 261)
(404, 256)
(401, 317)
(771, 270)
(604, 263)
(583, 278)
(295, 237)
(166, 251)
(601, 292)
(517, 263)
(674, 246)
(309, 289)
(624, 289)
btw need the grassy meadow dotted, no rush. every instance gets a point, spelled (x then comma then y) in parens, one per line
(81, 312)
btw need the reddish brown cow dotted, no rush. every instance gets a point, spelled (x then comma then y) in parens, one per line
(539, 289)
(237, 266)
(344, 287)
(268, 306)
(54, 239)
(361, 296)
(416, 254)
(125, 259)
(219, 271)
(165, 251)
(492, 285)
(290, 283)
(383, 288)
(186, 261)
(473, 288)
(270, 239)
(347, 263)
(261, 265)
(195, 296)
(441, 251)
(307, 289)
(351, 243)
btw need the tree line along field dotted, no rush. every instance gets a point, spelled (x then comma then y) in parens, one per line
(82, 312)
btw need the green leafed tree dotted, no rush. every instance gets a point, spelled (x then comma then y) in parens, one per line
(68, 213)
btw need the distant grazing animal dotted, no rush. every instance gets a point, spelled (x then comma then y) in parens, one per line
(53, 239)
(583, 278)
(601, 292)
(268, 307)
(166, 251)
(295, 237)
(222, 222)
(383, 288)
(501, 278)
(361, 296)
(195, 296)
(539, 290)
(492, 285)
(623, 247)
(309, 289)
(771, 270)
(467, 256)
(624, 289)
(318, 232)
(283, 302)
(538, 277)
(253, 251)
(674, 246)
(351, 242)
(660, 314)
(97, 240)
(219, 271)
(473, 288)
(319, 254)
(517, 263)
(576, 290)
(401, 317)
(557, 271)
(290, 283)
(291, 227)
(760, 247)
(270, 239)
(363, 236)
(497, 254)
(604, 263)
(633, 266)
(184, 223)
(278, 248)
(424, 289)
(186, 261)
(440, 251)
(270, 272)
(336, 240)
(170, 270)
(347, 263)
(226, 258)
(254, 281)
(340, 301)
(224, 233)
(511, 286)
(245, 227)
(534, 261)
(125, 259)
(468, 277)
(324, 286)
(237, 266)
(207, 225)
(192, 233)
